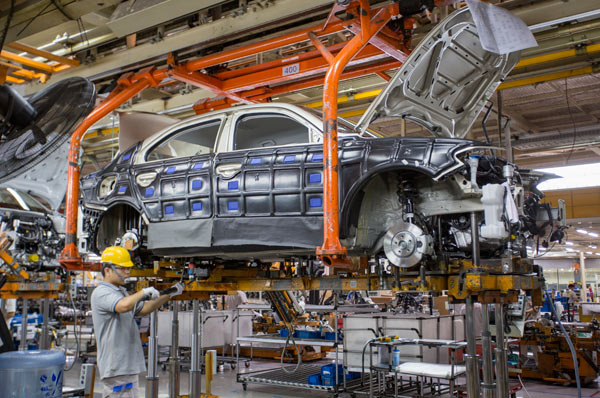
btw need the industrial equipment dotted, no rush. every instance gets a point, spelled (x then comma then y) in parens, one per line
(543, 353)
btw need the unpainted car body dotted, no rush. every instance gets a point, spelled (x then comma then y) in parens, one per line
(246, 183)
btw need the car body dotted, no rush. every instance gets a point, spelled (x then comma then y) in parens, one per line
(246, 183)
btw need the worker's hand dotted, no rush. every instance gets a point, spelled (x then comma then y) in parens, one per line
(177, 289)
(151, 293)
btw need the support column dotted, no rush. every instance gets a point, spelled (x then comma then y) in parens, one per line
(488, 385)
(152, 377)
(174, 355)
(45, 339)
(471, 357)
(23, 343)
(583, 276)
(195, 373)
(501, 361)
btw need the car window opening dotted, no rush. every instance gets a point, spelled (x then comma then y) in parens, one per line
(259, 131)
(193, 141)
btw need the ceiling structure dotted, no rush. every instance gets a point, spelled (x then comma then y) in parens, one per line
(549, 102)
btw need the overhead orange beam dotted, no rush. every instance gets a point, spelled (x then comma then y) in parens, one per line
(267, 92)
(300, 70)
(11, 79)
(253, 49)
(27, 62)
(44, 54)
(206, 82)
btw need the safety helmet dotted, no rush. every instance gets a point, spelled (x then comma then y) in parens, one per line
(116, 255)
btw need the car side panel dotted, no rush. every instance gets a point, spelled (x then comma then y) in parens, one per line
(276, 197)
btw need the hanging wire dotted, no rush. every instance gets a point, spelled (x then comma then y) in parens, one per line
(7, 24)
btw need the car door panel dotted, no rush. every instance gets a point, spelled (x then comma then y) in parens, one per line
(181, 190)
(274, 194)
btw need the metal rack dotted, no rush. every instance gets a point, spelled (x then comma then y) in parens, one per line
(389, 379)
(279, 376)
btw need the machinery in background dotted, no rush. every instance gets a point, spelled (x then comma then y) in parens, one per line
(543, 353)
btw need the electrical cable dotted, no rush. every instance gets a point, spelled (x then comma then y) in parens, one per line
(77, 342)
(299, 362)
(569, 342)
(7, 24)
(523, 385)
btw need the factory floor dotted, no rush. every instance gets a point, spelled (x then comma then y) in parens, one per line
(225, 385)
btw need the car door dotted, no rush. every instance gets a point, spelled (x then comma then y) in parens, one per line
(269, 185)
(173, 179)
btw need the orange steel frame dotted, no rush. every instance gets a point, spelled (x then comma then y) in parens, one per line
(368, 51)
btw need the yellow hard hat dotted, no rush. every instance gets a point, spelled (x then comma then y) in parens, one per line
(116, 255)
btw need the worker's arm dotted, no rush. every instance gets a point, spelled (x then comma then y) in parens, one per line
(150, 306)
(128, 303)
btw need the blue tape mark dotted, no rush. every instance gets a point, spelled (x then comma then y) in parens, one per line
(316, 157)
(123, 189)
(126, 156)
(232, 185)
(289, 158)
(198, 166)
(170, 209)
(314, 178)
(233, 206)
(171, 169)
(197, 206)
(117, 388)
(315, 203)
(196, 185)
(255, 161)
(149, 192)
(128, 386)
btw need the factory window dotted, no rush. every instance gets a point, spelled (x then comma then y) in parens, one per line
(191, 141)
(257, 131)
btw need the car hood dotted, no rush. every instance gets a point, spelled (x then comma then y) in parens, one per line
(445, 82)
(47, 179)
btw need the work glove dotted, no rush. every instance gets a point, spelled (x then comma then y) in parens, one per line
(151, 293)
(176, 289)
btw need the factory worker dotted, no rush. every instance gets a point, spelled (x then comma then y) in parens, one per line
(120, 355)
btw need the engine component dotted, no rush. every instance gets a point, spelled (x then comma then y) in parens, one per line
(405, 244)
(493, 208)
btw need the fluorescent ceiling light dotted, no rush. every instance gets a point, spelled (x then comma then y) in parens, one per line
(582, 231)
(580, 176)
(569, 243)
(589, 253)
(595, 235)
(593, 247)
(569, 249)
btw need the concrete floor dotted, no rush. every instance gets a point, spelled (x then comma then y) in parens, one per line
(225, 385)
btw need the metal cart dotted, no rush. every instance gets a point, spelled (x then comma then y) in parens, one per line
(392, 377)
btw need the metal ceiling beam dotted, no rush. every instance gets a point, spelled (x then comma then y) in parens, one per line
(50, 18)
(203, 34)
(553, 10)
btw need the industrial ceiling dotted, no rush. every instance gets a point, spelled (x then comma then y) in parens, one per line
(549, 102)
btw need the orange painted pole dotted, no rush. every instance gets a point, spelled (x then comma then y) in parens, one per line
(332, 252)
(70, 257)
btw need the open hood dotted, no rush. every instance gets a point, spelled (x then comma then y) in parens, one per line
(445, 82)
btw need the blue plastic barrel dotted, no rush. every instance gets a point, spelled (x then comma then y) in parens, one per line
(31, 374)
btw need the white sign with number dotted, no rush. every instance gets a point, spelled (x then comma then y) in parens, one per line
(290, 69)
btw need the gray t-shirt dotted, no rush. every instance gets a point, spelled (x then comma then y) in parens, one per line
(117, 335)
